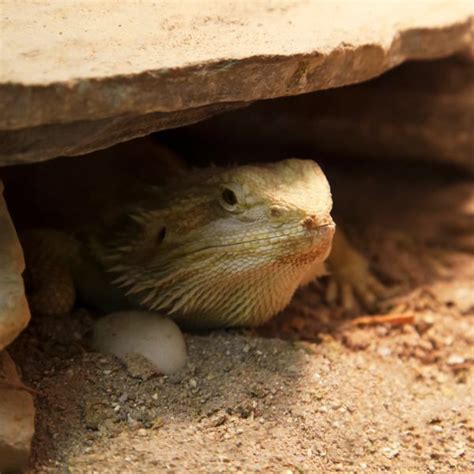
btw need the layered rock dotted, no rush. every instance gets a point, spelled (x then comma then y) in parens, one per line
(97, 75)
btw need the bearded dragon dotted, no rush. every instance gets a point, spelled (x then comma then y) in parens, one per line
(215, 247)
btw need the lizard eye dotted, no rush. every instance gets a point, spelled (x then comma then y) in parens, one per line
(229, 197)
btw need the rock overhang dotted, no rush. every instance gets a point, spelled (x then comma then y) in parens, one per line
(95, 76)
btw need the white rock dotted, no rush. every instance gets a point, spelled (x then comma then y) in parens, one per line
(148, 334)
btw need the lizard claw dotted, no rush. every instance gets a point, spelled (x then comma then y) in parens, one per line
(352, 284)
(351, 281)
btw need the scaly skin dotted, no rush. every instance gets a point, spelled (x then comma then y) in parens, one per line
(218, 247)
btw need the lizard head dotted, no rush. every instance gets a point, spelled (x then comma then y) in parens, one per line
(225, 246)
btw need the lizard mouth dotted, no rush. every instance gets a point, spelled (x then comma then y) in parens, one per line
(322, 235)
(323, 230)
(316, 235)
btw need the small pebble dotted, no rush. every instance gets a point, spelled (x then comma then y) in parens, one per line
(390, 452)
(455, 359)
(384, 351)
(123, 398)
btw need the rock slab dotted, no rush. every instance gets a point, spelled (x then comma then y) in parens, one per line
(123, 68)
(14, 311)
(17, 413)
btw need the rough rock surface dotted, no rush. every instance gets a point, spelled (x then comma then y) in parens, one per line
(14, 312)
(421, 110)
(17, 413)
(110, 70)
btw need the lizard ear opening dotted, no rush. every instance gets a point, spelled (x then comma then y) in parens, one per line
(148, 247)
(161, 236)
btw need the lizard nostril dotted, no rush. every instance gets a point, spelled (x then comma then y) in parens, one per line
(309, 222)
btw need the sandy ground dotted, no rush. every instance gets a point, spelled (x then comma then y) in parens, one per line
(311, 391)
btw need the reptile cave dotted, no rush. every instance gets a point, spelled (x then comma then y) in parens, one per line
(237, 239)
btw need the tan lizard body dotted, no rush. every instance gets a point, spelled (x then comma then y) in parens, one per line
(217, 247)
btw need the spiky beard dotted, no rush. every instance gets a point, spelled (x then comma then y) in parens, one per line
(216, 291)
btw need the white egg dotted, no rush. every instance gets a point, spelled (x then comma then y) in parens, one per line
(148, 334)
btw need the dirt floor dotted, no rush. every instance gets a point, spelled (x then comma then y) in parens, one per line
(311, 391)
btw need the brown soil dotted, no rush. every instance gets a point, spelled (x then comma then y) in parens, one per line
(309, 392)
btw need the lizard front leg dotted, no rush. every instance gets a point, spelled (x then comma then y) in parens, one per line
(350, 276)
(48, 279)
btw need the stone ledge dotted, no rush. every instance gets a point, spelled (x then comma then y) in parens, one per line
(78, 138)
(204, 57)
